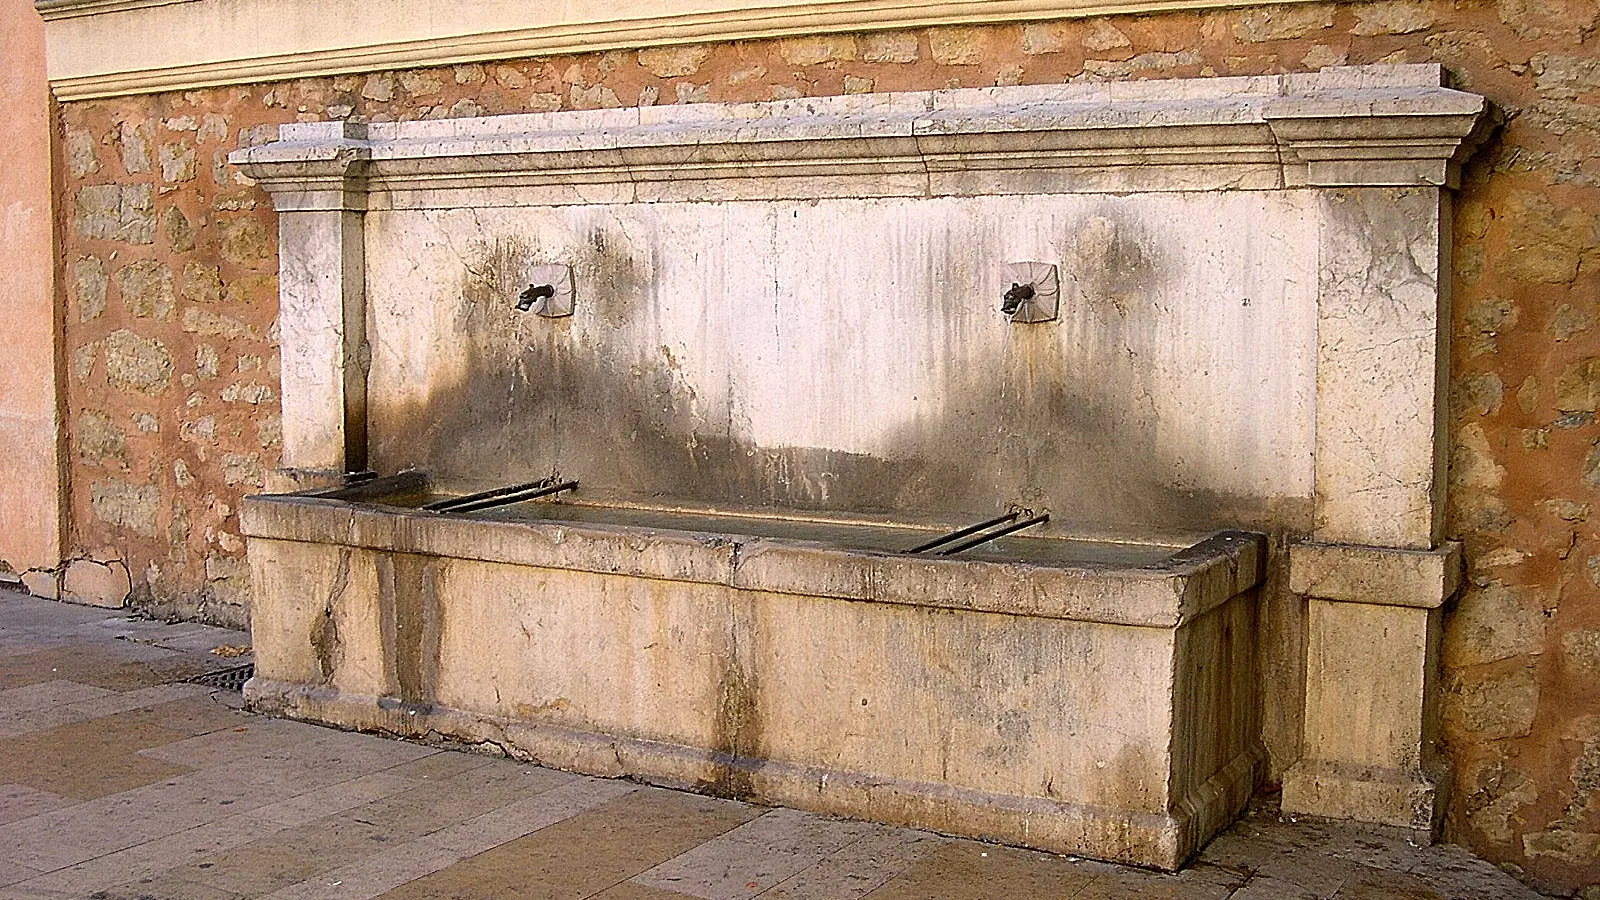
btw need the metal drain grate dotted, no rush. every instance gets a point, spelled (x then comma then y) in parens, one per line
(232, 679)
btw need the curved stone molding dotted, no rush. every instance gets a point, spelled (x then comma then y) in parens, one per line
(101, 48)
(1392, 126)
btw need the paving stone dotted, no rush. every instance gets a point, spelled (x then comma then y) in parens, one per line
(1378, 884)
(1266, 888)
(431, 806)
(755, 856)
(967, 870)
(1198, 882)
(333, 799)
(46, 694)
(629, 890)
(20, 801)
(153, 858)
(89, 759)
(23, 723)
(587, 853)
(11, 873)
(860, 867)
(249, 739)
(166, 888)
(441, 765)
(526, 816)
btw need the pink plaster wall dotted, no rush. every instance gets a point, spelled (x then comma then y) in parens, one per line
(30, 474)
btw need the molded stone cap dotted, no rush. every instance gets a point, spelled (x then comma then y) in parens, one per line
(1364, 125)
(1386, 576)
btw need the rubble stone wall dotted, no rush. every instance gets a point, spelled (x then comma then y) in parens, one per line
(172, 362)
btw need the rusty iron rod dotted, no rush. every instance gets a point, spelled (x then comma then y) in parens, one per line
(960, 533)
(503, 499)
(999, 532)
(451, 502)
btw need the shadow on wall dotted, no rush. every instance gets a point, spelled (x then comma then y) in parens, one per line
(532, 400)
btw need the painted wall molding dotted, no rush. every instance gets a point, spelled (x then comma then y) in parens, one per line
(102, 48)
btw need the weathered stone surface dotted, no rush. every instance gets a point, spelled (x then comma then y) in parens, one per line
(177, 163)
(1578, 388)
(379, 88)
(146, 288)
(123, 505)
(1472, 462)
(133, 142)
(1273, 23)
(200, 321)
(44, 583)
(1144, 62)
(201, 283)
(1494, 797)
(89, 287)
(1105, 36)
(674, 62)
(598, 97)
(228, 578)
(1569, 321)
(957, 46)
(1548, 242)
(1579, 847)
(244, 241)
(242, 468)
(420, 84)
(111, 212)
(176, 229)
(1580, 654)
(83, 360)
(98, 438)
(1490, 624)
(206, 362)
(1046, 37)
(137, 364)
(105, 584)
(1323, 55)
(1479, 393)
(82, 158)
(811, 51)
(1392, 17)
(471, 73)
(890, 47)
(509, 77)
(1490, 707)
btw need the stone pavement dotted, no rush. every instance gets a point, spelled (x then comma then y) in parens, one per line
(119, 780)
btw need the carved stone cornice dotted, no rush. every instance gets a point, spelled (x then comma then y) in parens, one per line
(1378, 125)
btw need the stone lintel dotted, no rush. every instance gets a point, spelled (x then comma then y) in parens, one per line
(1386, 576)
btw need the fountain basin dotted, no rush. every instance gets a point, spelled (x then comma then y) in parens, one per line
(1090, 698)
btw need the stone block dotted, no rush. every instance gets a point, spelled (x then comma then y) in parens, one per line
(1381, 575)
(95, 583)
(44, 583)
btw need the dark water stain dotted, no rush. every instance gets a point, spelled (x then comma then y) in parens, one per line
(737, 742)
(408, 603)
(325, 643)
(1025, 425)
